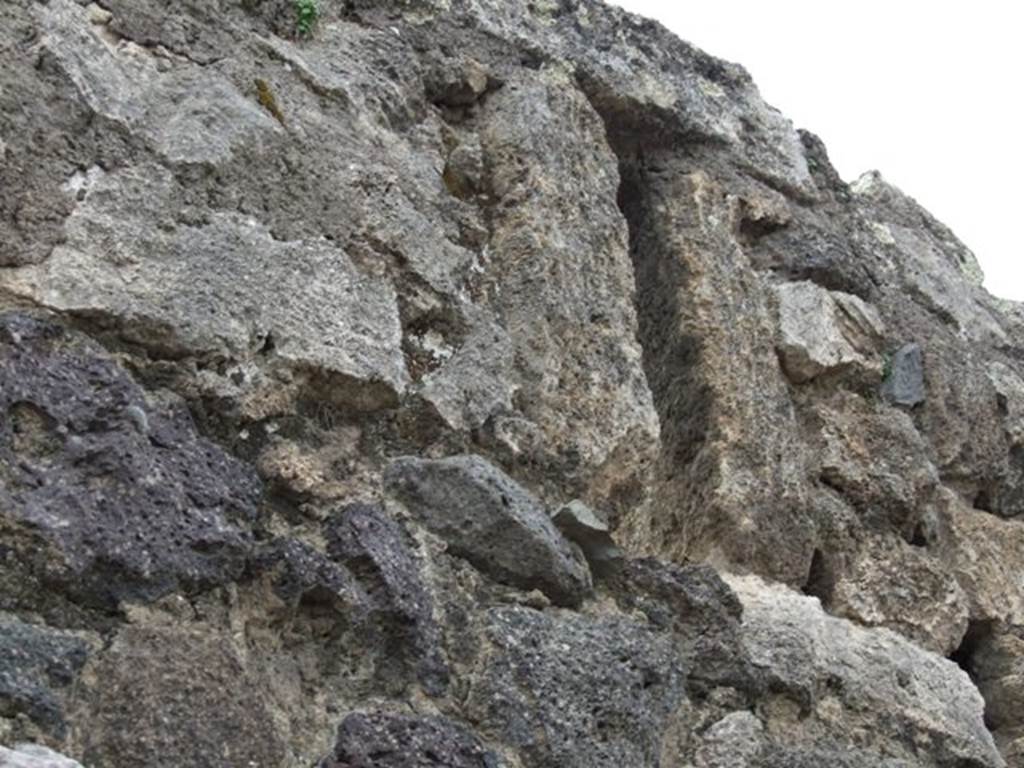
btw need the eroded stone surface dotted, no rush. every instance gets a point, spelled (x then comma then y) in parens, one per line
(176, 690)
(905, 588)
(698, 608)
(982, 551)
(863, 681)
(372, 546)
(37, 666)
(582, 526)
(212, 286)
(34, 756)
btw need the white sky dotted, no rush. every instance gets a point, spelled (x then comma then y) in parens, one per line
(929, 93)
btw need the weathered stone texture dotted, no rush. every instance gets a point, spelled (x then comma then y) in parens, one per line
(37, 666)
(435, 386)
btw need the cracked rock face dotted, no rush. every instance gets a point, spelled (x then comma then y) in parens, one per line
(480, 383)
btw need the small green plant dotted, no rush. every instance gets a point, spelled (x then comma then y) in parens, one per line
(307, 12)
(886, 366)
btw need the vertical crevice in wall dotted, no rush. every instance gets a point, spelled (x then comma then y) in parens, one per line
(651, 176)
(725, 486)
(820, 579)
(671, 357)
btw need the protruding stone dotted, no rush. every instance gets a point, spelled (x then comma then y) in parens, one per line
(824, 332)
(143, 278)
(476, 381)
(695, 605)
(464, 170)
(876, 458)
(732, 742)
(373, 547)
(904, 377)
(98, 14)
(581, 525)
(905, 588)
(458, 85)
(1009, 388)
(134, 500)
(983, 552)
(301, 575)
(855, 680)
(491, 521)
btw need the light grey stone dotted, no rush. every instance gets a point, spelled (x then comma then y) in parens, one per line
(188, 114)
(34, 756)
(222, 287)
(476, 381)
(824, 332)
(868, 680)
(732, 742)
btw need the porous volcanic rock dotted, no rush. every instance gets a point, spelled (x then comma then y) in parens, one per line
(486, 383)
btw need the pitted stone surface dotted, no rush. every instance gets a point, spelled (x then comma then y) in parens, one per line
(575, 691)
(37, 666)
(382, 740)
(374, 548)
(136, 502)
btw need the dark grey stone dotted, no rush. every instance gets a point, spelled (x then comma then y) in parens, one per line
(904, 382)
(591, 534)
(574, 691)
(34, 661)
(368, 584)
(373, 548)
(383, 740)
(700, 609)
(304, 577)
(136, 503)
(491, 521)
